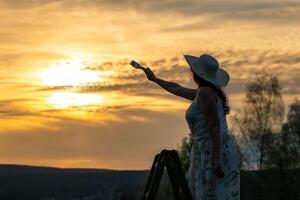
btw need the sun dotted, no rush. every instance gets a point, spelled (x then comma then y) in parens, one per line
(68, 73)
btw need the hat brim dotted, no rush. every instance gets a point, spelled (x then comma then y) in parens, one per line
(222, 77)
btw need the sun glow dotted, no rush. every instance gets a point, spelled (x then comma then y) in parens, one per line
(70, 73)
(69, 99)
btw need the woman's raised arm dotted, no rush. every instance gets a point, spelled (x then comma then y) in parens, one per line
(171, 87)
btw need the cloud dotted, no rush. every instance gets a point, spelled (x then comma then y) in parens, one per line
(20, 4)
(127, 144)
(195, 26)
(241, 64)
(8, 107)
(44, 55)
(259, 11)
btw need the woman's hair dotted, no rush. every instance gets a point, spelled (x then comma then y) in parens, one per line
(218, 90)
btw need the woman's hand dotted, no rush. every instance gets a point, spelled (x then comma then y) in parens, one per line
(217, 167)
(149, 73)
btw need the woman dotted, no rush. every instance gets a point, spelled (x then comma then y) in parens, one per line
(214, 160)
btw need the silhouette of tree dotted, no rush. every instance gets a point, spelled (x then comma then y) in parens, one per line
(184, 152)
(291, 134)
(262, 115)
(286, 151)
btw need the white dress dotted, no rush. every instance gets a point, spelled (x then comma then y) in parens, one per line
(204, 185)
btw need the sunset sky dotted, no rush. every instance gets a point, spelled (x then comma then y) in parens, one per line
(69, 97)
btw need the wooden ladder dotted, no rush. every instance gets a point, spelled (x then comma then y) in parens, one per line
(170, 159)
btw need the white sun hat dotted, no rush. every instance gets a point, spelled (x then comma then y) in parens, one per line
(207, 67)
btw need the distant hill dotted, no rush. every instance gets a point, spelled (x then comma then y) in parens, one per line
(6, 169)
(30, 182)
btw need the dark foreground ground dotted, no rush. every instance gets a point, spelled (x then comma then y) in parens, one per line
(28, 182)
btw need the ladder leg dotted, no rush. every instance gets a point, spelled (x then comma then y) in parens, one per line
(146, 190)
(186, 193)
(157, 176)
(173, 176)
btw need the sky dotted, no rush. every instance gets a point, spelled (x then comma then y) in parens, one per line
(69, 97)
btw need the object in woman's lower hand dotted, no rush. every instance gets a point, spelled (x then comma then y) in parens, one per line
(218, 172)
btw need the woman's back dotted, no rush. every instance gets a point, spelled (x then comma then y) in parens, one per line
(203, 183)
(196, 120)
